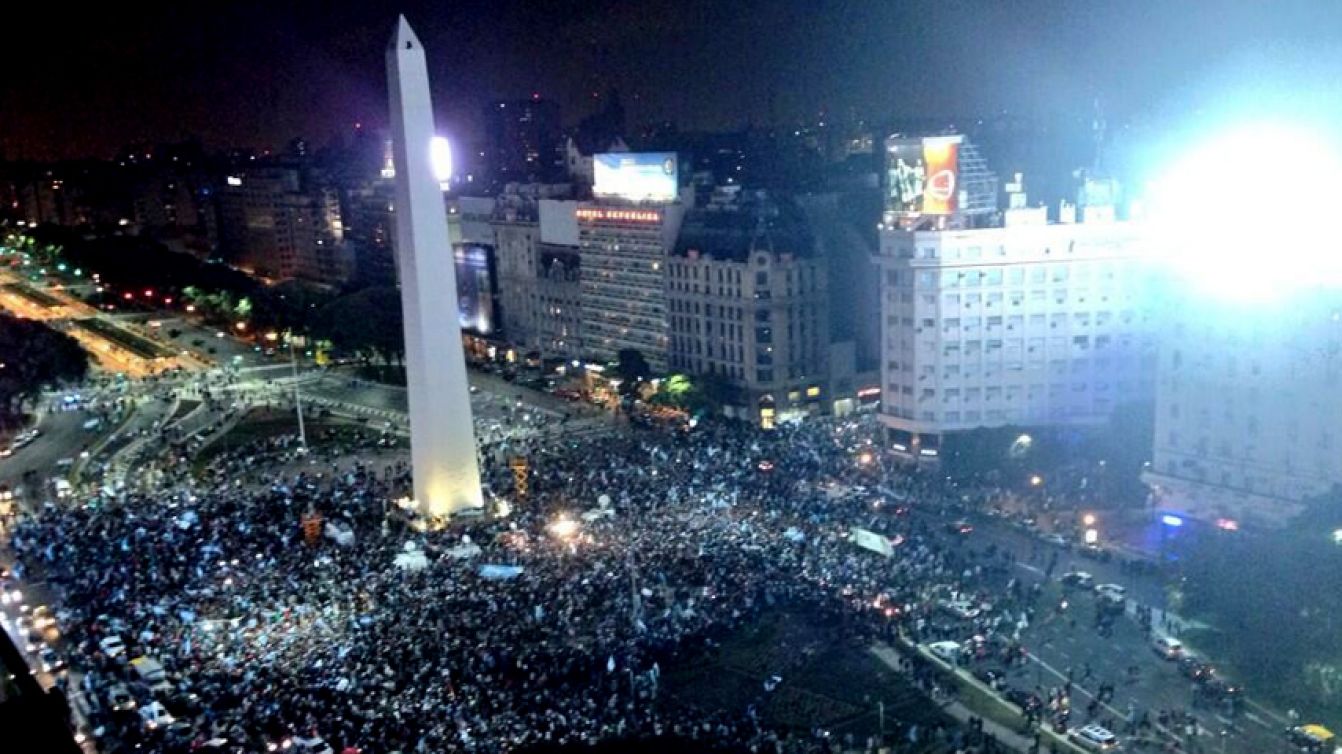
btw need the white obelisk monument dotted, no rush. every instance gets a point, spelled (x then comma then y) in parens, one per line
(442, 438)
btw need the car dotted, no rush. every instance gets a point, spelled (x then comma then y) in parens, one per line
(120, 699)
(1111, 592)
(42, 617)
(155, 715)
(1195, 669)
(1311, 736)
(1168, 647)
(112, 646)
(962, 609)
(150, 671)
(946, 650)
(1093, 738)
(1079, 579)
(313, 745)
(51, 662)
(1055, 539)
(991, 677)
(961, 527)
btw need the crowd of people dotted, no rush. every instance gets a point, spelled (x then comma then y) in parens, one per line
(509, 632)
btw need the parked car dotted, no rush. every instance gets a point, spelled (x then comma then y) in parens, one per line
(1194, 668)
(1111, 592)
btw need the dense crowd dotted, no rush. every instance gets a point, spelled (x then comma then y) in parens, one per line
(514, 632)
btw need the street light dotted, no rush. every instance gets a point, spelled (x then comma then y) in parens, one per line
(1088, 519)
(564, 527)
(1036, 480)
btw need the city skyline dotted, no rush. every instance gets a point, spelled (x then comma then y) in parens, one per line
(244, 76)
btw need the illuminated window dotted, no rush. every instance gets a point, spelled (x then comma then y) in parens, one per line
(813, 392)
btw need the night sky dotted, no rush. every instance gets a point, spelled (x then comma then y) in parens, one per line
(76, 82)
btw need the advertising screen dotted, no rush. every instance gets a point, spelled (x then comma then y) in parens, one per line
(475, 288)
(639, 176)
(922, 175)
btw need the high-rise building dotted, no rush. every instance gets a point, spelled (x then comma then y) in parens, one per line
(1031, 324)
(278, 222)
(523, 141)
(536, 248)
(1248, 420)
(746, 299)
(623, 247)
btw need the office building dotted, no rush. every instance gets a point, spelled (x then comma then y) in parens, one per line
(746, 299)
(279, 222)
(1248, 418)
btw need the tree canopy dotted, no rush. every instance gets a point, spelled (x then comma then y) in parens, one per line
(368, 323)
(33, 357)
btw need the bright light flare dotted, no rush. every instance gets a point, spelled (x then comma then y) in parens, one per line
(1244, 216)
(440, 156)
(564, 528)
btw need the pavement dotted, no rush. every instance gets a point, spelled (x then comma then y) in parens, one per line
(1063, 641)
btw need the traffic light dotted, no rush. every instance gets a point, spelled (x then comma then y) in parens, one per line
(521, 474)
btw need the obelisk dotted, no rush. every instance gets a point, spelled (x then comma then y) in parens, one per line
(442, 437)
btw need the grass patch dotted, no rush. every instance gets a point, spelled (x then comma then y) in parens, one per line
(265, 424)
(184, 407)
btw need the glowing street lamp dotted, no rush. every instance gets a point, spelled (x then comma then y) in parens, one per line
(1036, 480)
(864, 458)
(1088, 519)
(241, 326)
(563, 527)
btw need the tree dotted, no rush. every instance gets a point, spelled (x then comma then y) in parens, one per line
(368, 323)
(631, 369)
(33, 357)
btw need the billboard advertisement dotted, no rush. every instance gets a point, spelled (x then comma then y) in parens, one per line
(922, 174)
(638, 176)
(475, 288)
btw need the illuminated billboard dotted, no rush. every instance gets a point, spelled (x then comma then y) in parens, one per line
(638, 176)
(922, 174)
(475, 288)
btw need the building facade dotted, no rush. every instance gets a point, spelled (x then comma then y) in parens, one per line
(279, 223)
(623, 247)
(1031, 324)
(747, 303)
(1248, 419)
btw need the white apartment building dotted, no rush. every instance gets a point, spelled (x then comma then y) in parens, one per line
(1028, 324)
(1249, 406)
(623, 249)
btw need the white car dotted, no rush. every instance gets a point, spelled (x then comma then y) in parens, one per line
(962, 609)
(1111, 592)
(1093, 738)
(112, 646)
(946, 650)
(155, 715)
(1168, 647)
